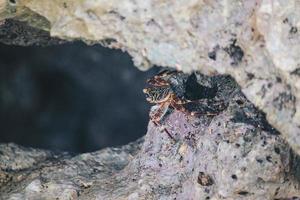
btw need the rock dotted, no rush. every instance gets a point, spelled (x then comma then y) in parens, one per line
(233, 154)
(13, 32)
(256, 42)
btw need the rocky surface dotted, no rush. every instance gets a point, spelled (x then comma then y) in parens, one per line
(233, 154)
(14, 32)
(255, 41)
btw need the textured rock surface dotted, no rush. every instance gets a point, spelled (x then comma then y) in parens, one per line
(232, 155)
(19, 33)
(255, 41)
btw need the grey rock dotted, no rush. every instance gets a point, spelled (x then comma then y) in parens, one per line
(256, 42)
(234, 154)
(14, 32)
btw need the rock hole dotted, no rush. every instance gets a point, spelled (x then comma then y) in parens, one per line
(278, 79)
(296, 72)
(243, 193)
(293, 30)
(13, 2)
(286, 20)
(277, 150)
(235, 52)
(276, 191)
(250, 76)
(212, 55)
(204, 179)
(239, 102)
(234, 177)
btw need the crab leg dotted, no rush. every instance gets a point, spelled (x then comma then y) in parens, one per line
(177, 106)
(164, 129)
(157, 82)
(159, 114)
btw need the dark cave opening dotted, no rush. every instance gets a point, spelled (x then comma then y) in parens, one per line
(70, 97)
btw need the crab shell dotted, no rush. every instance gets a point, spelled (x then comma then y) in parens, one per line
(158, 95)
(166, 86)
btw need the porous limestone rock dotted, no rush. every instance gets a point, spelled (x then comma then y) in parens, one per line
(234, 154)
(255, 41)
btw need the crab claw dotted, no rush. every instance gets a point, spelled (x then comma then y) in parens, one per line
(145, 91)
(149, 99)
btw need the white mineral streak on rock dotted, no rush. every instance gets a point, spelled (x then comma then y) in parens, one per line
(255, 41)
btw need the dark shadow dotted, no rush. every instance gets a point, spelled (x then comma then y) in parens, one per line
(70, 97)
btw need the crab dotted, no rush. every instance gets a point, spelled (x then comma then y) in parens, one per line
(170, 90)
